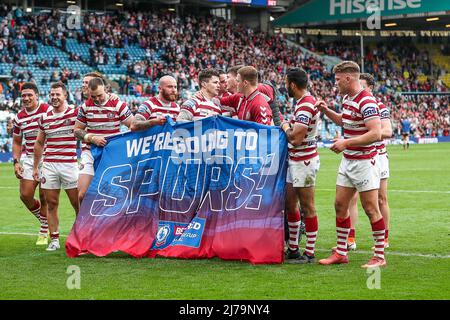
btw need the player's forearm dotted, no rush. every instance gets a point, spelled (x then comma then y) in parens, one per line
(80, 134)
(184, 116)
(386, 129)
(365, 139)
(16, 150)
(293, 138)
(295, 135)
(334, 116)
(138, 125)
(38, 147)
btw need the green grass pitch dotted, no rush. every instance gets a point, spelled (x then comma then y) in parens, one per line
(418, 260)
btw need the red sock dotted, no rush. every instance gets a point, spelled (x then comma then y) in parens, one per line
(343, 229)
(352, 233)
(44, 225)
(378, 230)
(294, 229)
(54, 235)
(36, 209)
(311, 226)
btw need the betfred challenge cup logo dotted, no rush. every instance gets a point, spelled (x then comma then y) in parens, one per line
(43, 180)
(162, 235)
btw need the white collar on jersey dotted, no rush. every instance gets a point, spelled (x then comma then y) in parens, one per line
(66, 107)
(164, 104)
(351, 98)
(305, 95)
(204, 96)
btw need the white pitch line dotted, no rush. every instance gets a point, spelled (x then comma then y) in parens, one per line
(25, 234)
(400, 191)
(387, 252)
(395, 253)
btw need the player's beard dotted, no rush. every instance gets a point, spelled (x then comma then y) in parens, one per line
(168, 96)
(290, 92)
(84, 95)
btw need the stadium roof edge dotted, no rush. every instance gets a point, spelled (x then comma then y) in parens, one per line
(326, 12)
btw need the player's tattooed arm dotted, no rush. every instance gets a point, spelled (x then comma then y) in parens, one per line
(79, 130)
(139, 123)
(80, 134)
(184, 116)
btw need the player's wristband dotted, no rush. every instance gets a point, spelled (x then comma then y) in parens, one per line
(86, 137)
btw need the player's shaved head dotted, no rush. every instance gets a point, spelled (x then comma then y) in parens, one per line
(168, 89)
(166, 79)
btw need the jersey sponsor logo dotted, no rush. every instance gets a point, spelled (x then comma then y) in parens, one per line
(384, 113)
(127, 114)
(30, 134)
(303, 119)
(370, 111)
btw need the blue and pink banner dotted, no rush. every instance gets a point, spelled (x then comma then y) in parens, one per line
(203, 189)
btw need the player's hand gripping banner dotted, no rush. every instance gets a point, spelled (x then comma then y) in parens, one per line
(203, 189)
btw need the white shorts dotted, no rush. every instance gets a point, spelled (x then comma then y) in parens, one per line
(56, 175)
(364, 175)
(87, 163)
(383, 164)
(302, 174)
(27, 164)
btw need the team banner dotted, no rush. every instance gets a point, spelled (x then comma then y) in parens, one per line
(203, 189)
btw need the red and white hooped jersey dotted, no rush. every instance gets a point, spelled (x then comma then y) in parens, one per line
(61, 144)
(201, 108)
(356, 112)
(385, 114)
(26, 125)
(307, 115)
(105, 119)
(155, 108)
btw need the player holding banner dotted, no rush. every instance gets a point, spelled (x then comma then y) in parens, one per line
(304, 164)
(154, 110)
(358, 170)
(101, 115)
(60, 166)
